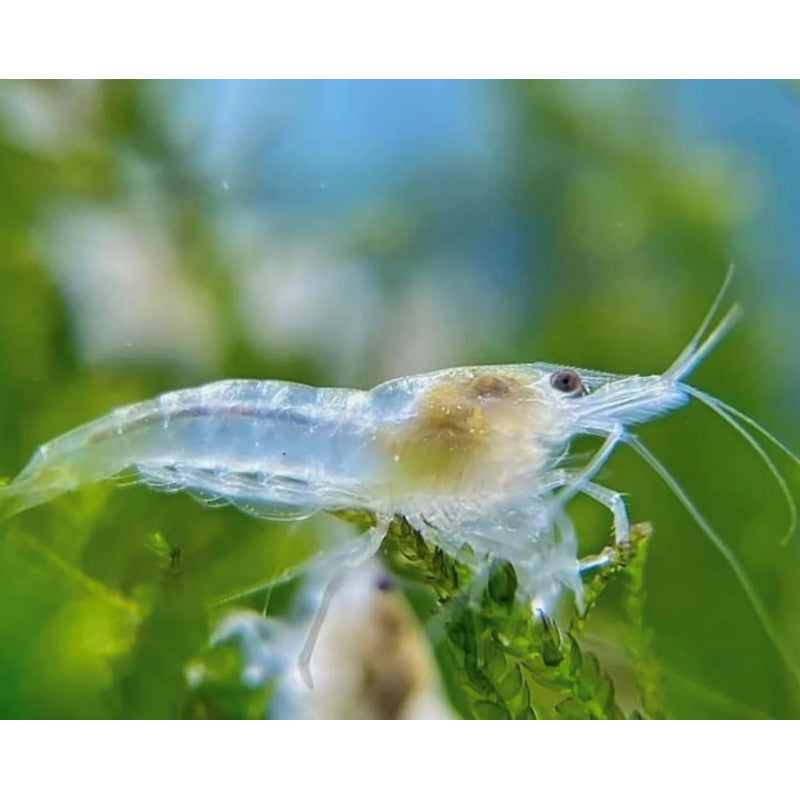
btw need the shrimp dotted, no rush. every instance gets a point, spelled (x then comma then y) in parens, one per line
(470, 456)
(370, 630)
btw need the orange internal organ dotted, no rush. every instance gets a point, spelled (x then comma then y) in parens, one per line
(470, 431)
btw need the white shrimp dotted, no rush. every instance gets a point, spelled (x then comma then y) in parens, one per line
(469, 456)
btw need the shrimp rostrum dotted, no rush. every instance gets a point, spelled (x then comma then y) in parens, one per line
(471, 456)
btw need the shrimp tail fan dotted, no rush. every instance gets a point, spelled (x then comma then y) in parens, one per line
(20, 495)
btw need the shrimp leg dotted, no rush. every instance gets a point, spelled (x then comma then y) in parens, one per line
(575, 486)
(608, 558)
(366, 547)
(609, 498)
(613, 501)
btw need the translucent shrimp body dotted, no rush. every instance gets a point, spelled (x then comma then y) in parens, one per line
(467, 454)
(286, 450)
(274, 449)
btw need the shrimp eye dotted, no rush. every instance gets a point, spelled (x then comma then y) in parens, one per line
(567, 381)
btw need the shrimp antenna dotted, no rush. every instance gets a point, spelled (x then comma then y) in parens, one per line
(686, 365)
(688, 352)
(755, 601)
(730, 415)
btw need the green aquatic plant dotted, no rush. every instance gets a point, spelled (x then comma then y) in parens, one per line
(503, 659)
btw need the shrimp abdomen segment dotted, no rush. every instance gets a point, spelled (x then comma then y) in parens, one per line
(260, 444)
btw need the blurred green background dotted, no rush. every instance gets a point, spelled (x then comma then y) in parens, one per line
(160, 235)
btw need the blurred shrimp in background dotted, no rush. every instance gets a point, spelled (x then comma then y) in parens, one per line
(159, 235)
(371, 660)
